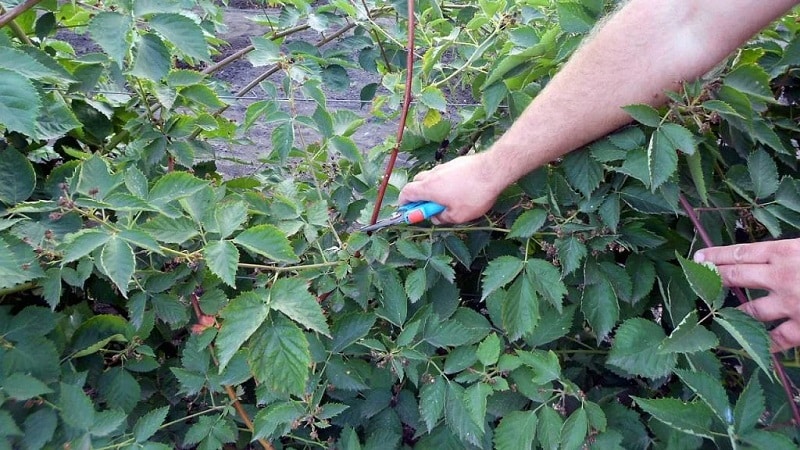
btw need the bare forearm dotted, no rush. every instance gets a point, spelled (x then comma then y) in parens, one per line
(646, 48)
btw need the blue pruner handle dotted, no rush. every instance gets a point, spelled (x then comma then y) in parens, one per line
(416, 212)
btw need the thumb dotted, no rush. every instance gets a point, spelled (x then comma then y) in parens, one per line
(411, 192)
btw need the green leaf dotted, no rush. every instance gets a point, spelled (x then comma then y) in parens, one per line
(573, 17)
(489, 350)
(276, 417)
(268, 241)
(148, 424)
(750, 406)
(222, 259)
(695, 164)
(17, 178)
(475, 398)
(575, 429)
(291, 297)
(346, 147)
(752, 80)
(283, 140)
(18, 262)
(662, 159)
(749, 333)
(416, 284)
(350, 328)
(633, 346)
(8, 428)
(95, 179)
(678, 137)
(175, 186)
(571, 253)
(710, 391)
(230, 216)
(19, 103)
(689, 337)
(516, 431)
(82, 243)
(500, 272)
(120, 389)
(23, 387)
(692, 418)
(26, 64)
(458, 417)
(549, 428)
(528, 223)
(763, 439)
(547, 281)
(763, 173)
(545, 365)
(520, 309)
(704, 280)
(394, 302)
(39, 428)
(107, 422)
(76, 407)
(111, 31)
(152, 60)
(171, 231)
(444, 265)
(583, 172)
(117, 261)
(265, 52)
(140, 239)
(431, 401)
(335, 76)
(183, 33)
(241, 318)
(280, 358)
(600, 306)
(432, 97)
(644, 114)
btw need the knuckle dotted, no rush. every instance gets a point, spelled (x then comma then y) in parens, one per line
(752, 308)
(782, 339)
(731, 275)
(739, 252)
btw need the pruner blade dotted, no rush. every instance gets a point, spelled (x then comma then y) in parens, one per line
(409, 213)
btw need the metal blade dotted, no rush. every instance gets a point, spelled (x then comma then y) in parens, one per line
(394, 220)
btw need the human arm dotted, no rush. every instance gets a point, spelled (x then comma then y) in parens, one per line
(646, 48)
(773, 266)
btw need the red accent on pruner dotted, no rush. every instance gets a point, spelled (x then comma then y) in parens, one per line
(415, 216)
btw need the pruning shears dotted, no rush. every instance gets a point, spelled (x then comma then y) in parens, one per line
(409, 213)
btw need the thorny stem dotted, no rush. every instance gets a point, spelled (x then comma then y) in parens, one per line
(278, 269)
(690, 211)
(16, 11)
(16, 29)
(18, 288)
(403, 115)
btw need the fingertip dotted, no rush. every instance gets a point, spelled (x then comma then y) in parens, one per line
(699, 256)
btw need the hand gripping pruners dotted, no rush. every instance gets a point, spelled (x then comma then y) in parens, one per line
(409, 213)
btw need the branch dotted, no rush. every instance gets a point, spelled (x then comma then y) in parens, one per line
(17, 289)
(403, 115)
(19, 9)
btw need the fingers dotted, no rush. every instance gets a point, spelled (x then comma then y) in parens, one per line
(751, 276)
(767, 308)
(757, 253)
(785, 336)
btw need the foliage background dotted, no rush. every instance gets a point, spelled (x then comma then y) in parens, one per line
(146, 301)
